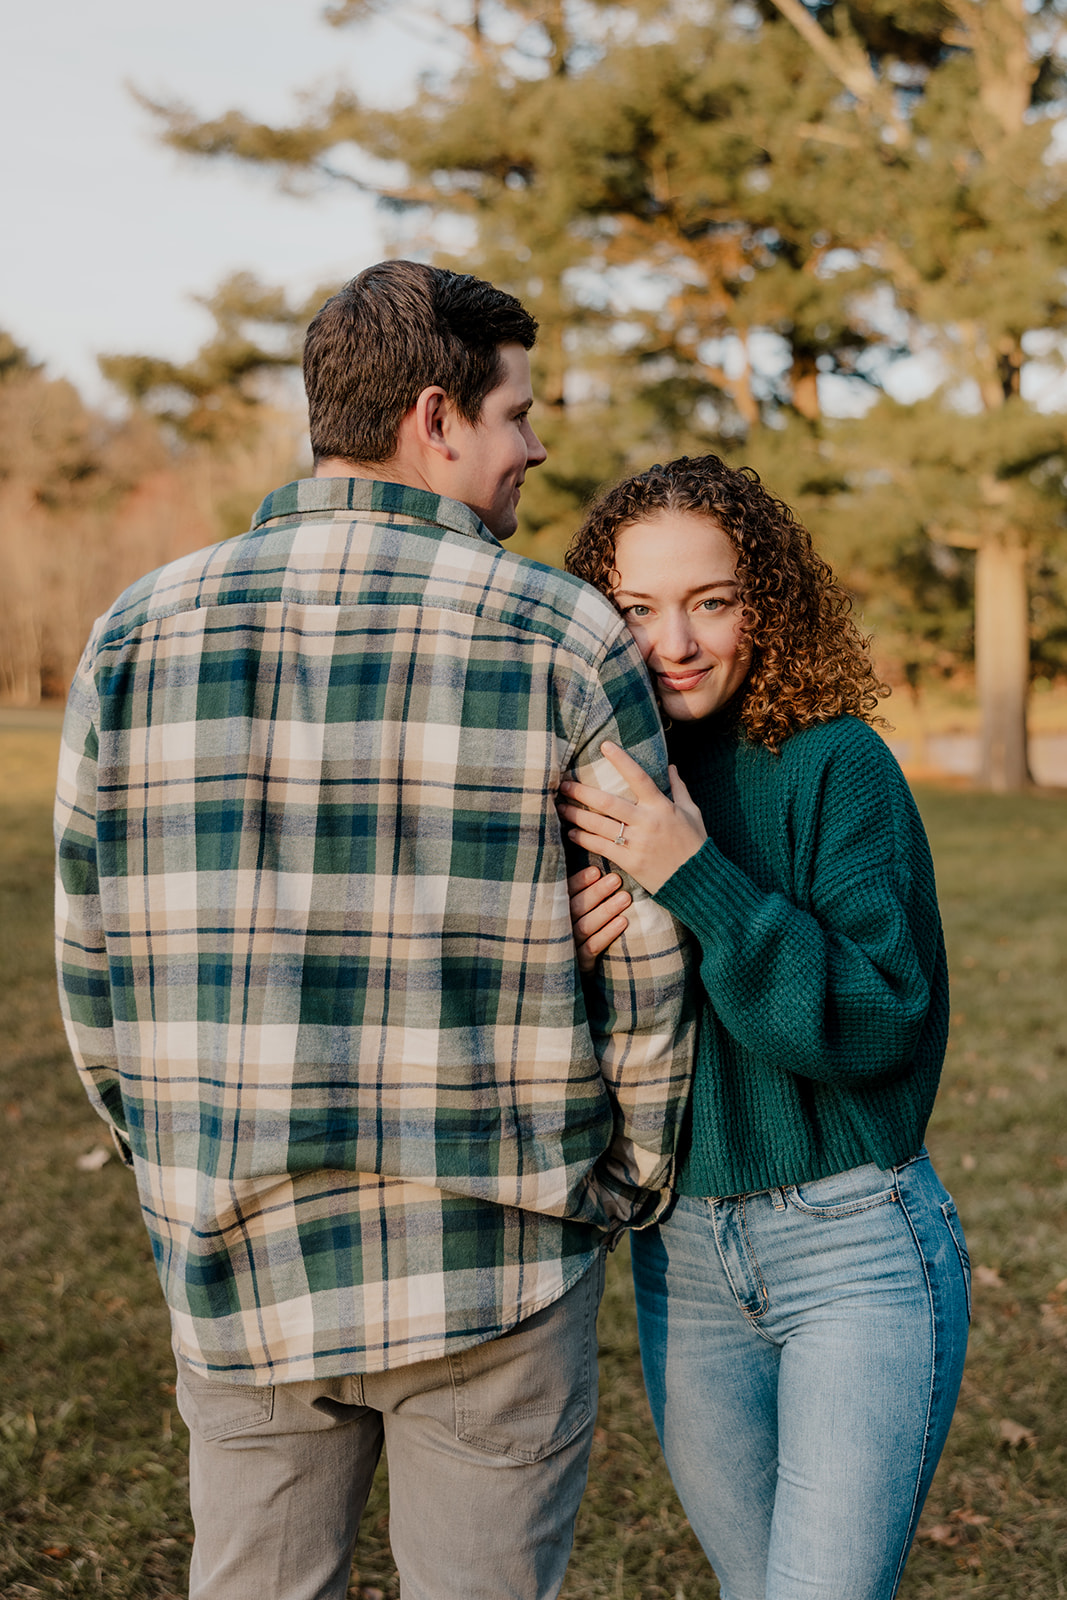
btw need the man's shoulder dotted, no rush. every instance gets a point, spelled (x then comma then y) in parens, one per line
(535, 595)
(470, 569)
(300, 548)
(163, 591)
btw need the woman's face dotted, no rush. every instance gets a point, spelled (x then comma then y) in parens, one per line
(678, 593)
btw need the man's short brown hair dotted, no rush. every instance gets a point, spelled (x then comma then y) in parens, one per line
(396, 329)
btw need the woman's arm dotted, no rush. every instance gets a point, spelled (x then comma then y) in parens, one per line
(838, 989)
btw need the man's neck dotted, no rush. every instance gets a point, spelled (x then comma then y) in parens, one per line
(392, 471)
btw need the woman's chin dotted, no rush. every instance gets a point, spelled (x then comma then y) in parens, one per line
(683, 708)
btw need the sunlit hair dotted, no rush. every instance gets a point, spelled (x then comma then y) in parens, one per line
(809, 660)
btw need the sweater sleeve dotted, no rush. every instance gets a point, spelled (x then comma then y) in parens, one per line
(833, 981)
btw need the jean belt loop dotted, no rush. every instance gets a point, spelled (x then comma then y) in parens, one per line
(778, 1199)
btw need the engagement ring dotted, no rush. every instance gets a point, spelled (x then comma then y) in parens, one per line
(622, 833)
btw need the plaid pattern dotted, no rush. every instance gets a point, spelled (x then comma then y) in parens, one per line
(314, 947)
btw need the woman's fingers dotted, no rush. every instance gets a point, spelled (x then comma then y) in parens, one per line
(604, 827)
(589, 923)
(597, 900)
(685, 803)
(605, 887)
(678, 788)
(591, 948)
(597, 801)
(614, 806)
(584, 878)
(598, 844)
(638, 779)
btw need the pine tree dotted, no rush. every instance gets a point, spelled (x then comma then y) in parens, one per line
(715, 209)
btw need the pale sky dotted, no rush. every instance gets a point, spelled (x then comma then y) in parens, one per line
(107, 232)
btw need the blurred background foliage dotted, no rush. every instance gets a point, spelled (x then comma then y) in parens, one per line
(826, 239)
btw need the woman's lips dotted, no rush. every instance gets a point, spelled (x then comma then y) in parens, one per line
(681, 681)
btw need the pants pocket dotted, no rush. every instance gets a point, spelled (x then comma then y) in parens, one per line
(955, 1228)
(843, 1194)
(215, 1410)
(529, 1393)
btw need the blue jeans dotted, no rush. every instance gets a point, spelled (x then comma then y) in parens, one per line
(803, 1350)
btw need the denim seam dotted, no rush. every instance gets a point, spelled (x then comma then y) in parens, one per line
(750, 1252)
(951, 1216)
(916, 1508)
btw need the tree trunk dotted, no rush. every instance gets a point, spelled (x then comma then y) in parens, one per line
(1002, 662)
(805, 385)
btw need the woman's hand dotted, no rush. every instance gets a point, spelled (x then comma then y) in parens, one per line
(649, 836)
(597, 901)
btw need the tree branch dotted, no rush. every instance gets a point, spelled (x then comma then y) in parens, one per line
(849, 66)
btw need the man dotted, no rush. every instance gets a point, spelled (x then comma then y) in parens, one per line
(318, 974)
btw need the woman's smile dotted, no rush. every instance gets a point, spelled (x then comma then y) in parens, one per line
(682, 681)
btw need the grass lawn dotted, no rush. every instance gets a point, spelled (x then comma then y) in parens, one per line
(92, 1452)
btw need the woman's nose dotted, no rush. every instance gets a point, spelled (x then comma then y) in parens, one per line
(676, 642)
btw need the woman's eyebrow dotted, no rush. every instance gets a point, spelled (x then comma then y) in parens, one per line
(716, 583)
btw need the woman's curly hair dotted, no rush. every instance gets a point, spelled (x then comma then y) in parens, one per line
(810, 662)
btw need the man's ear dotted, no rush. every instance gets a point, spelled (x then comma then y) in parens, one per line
(429, 420)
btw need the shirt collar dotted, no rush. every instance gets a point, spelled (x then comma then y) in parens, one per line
(330, 495)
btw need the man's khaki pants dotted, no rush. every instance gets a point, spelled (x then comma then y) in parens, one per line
(488, 1453)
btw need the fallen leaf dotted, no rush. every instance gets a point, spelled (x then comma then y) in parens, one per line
(94, 1160)
(988, 1277)
(968, 1163)
(58, 1552)
(941, 1533)
(1054, 1320)
(1014, 1436)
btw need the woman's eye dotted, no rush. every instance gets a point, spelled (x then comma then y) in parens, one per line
(711, 605)
(636, 611)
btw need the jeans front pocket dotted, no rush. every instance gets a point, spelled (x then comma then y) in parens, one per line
(529, 1393)
(844, 1194)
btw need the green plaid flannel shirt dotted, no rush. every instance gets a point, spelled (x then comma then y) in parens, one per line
(315, 956)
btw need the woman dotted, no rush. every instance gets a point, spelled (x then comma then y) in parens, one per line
(803, 1310)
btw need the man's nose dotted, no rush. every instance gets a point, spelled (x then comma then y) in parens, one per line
(535, 450)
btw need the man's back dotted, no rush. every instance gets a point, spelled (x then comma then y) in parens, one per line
(337, 1016)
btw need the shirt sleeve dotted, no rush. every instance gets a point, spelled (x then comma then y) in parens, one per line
(836, 989)
(81, 957)
(639, 1002)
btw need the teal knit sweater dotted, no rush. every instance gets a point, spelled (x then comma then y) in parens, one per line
(823, 964)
